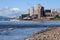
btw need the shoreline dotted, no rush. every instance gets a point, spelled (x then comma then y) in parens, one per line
(48, 34)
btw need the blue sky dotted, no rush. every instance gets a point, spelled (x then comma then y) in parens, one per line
(25, 4)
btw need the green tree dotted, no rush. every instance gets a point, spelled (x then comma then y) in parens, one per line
(57, 16)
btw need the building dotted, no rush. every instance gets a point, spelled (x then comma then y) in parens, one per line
(56, 12)
(51, 13)
(38, 11)
(48, 13)
(31, 11)
(27, 11)
(24, 15)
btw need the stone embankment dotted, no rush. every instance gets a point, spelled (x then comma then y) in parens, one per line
(49, 34)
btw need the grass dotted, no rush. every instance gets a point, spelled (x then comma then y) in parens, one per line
(56, 18)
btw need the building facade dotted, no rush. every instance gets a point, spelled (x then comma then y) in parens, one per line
(31, 11)
(51, 13)
(38, 12)
(27, 11)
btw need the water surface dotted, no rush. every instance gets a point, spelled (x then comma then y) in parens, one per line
(18, 33)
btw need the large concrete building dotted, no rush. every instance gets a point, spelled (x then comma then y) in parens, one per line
(37, 9)
(38, 12)
(31, 11)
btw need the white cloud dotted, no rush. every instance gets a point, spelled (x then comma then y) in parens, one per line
(15, 9)
(9, 12)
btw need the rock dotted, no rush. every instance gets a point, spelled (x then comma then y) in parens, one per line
(4, 31)
(11, 28)
(49, 34)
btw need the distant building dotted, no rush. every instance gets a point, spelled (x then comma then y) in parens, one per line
(27, 11)
(56, 12)
(31, 11)
(36, 11)
(51, 13)
(39, 11)
(24, 15)
(48, 13)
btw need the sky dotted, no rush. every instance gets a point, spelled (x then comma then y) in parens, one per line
(16, 7)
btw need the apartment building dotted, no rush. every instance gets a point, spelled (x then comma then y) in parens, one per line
(38, 12)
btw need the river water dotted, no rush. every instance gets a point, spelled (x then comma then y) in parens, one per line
(15, 33)
(18, 33)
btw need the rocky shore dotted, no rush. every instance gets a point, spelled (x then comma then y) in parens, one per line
(48, 34)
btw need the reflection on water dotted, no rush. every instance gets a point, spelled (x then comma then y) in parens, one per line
(17, 33)
(29, 28)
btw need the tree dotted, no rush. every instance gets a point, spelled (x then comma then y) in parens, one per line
(57, 16)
